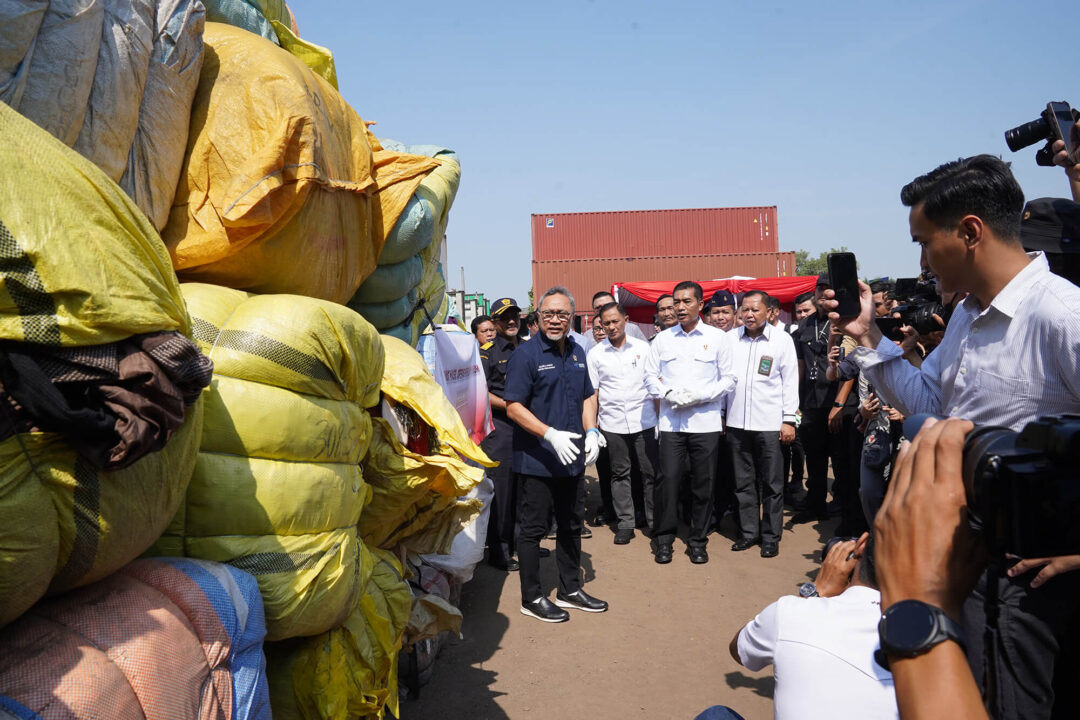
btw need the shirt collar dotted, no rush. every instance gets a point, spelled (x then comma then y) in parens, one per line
(767, 332)
(697, 328)
(553, 347)
(1007, 302)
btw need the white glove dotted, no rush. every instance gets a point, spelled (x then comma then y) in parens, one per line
(678, 398)
(562, 442)
(602, 439)
(592, 446)
(691, 397)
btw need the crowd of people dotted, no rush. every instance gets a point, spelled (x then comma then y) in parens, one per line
(717, 414)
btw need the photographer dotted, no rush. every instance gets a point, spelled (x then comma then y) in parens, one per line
(1011, 354)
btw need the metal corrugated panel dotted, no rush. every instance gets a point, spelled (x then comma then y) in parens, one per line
(653, 233)
(585, 277)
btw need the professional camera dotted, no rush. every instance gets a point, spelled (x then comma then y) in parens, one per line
(919, 302)
(1054, 123)
(1023, 489)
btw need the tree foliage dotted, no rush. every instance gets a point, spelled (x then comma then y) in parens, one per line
(807, 265)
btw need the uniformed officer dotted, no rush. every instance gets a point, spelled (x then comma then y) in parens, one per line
(551, 401)
(494, 357)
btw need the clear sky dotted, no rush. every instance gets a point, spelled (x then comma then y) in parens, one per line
(822, 109)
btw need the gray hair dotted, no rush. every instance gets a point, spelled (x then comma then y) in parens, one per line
(557, 290)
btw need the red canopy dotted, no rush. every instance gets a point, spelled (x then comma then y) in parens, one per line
(639, 298)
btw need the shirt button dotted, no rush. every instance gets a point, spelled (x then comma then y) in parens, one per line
(955, 409)
(963, 371)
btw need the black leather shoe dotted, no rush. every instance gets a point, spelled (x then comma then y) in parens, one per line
(586, 532)
(505, 565)
(744, 544)
(698, 556)
(542, 609)
(623, 537)
(578, 600)
(770, 550)
(808, 516)
(663, 554)
(544, 552)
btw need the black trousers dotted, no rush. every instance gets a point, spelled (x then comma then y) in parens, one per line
(759, 482)
(624, 449)
(603, 476)
(724, 486)
(539, 498)
(680, 452)
(794, 459)
(502, 517)
(820, 447)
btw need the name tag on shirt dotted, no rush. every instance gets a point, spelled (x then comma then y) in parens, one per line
(765, 365)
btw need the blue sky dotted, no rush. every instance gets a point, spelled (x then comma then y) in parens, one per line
(824, 110)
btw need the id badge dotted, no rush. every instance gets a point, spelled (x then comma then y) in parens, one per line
(765, 365)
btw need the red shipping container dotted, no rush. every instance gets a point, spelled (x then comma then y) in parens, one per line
(654, 233)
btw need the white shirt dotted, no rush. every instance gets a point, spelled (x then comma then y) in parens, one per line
(767, 391)
(618, 374)
(822, 650)
(1006, 365)
(698, 361)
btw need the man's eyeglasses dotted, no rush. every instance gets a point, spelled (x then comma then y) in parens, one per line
(552, 314)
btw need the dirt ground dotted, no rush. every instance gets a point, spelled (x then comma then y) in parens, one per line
(660, 651)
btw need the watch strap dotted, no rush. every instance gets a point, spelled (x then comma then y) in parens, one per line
(944, 629)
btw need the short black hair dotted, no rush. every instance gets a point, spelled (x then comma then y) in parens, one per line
(803, 297)
(665, 295)
(601, 294)
(532, 319)
(478, 320)
(690, 285)
(757, 293)
(604, 308)
(773, 303)
(982, 185)
(881, 287)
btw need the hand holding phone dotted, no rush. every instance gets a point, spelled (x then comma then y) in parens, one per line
(844, 276)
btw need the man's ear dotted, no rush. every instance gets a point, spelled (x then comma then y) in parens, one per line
(971, 229)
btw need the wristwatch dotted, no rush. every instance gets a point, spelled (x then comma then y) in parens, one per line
(837, 404)
(911, 627)
(808, 590)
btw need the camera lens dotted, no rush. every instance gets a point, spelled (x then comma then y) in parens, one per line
(1027, 134)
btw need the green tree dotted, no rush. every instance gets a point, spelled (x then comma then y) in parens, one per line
(530, 308)
(806, 265)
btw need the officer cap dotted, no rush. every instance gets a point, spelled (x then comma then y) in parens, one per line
(502, 305)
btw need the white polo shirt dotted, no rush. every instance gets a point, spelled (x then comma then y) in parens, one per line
(767, 391)
(618, 374)
(699, 361)
(822, 650)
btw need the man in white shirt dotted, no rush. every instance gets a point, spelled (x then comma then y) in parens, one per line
(760, 416)
(689, 369)
(626, 417)
(821, 644)
(1011, 353)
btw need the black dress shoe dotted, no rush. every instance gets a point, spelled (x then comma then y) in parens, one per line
(601, 519)
(578, 600)
(663, 554)
(544, 552)
(586, 532)
(809, 516)
(624, 536)
(505, 565)
(744, 544)
(543, 609)
(698, 556)
(770, 550)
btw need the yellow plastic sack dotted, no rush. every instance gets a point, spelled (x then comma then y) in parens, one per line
(408, 381)
(81, 263)
(316, 57)
(276, 193)
(63, 524)
(277, 489)
(431, 616)
(411, 492)
(351, 671)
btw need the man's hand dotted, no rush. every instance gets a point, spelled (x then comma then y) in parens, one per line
(870, 406)
(787, 434)
(836, 420)
(1072, 170)
(1050, 567)
(562, 442)
(838, 565)
(834, 355)
(592, 446)
(926, 549)
(861, 327)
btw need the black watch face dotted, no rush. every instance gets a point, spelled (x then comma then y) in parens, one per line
(909, 626)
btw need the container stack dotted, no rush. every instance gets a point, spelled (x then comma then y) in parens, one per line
(200, 243)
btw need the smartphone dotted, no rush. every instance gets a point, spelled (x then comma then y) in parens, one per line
(1063, 124)
(844, 276)
(890, 327)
